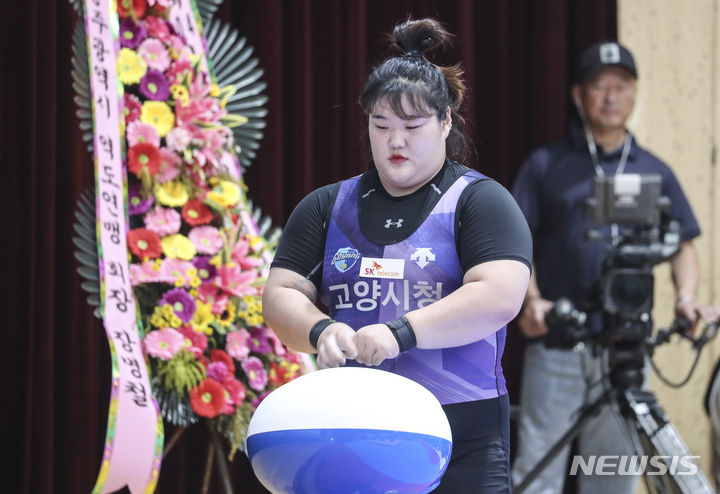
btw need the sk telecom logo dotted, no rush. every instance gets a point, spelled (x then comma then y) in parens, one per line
(382, 268)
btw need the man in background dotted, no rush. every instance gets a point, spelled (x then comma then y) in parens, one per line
(551, 189)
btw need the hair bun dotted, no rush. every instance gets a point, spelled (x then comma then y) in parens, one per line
(415, 37)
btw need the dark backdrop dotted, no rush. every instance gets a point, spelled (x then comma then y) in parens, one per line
(55, 369)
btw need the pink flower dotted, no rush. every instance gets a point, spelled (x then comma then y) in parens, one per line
(176, 268)
(206, 239)
(235, 389)
(178, 70)
(193, 342)
(217, 371)
(154, 53)
(163, 343)
(157, 28)
(170, 166)
(142, 132)
(178, 139)
(163, 221)
(146, 273)
(179, 48)
(220, 304)
(132, 108)
(237, 344)
(208, 293)
(255, 372)
(278, 346)
(229, 164)
(240, 255)
(235, 281)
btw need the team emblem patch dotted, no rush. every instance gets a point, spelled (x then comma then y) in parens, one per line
(345, 258)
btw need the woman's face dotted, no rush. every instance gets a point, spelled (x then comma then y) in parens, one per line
(407, 153)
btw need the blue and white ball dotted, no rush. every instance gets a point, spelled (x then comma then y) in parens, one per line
(349, 430)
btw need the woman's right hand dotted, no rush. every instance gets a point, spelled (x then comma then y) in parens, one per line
(336, 344)
(532, 318)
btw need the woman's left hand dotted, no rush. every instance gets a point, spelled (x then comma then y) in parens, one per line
(375, 343)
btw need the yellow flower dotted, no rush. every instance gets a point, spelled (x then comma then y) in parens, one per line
(255, 320)
(159, 115)
(226, 318)
(173, 194)
(180, 92)
(178, 246)
(203, 316)
(175, 321)
(256, 241)
(130, 66)
(224, 193)
(166, 310)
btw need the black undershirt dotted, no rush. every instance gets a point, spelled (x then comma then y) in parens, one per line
(488, 223)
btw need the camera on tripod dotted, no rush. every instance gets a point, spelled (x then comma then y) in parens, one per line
(642, 235)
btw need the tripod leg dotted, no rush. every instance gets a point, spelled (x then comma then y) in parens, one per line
(586, 414)
(680, 474)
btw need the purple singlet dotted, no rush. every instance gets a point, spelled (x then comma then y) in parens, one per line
(365, 283)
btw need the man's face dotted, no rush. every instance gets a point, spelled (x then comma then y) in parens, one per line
(608, 98)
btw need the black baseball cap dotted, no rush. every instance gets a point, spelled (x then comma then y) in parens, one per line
(601, 55)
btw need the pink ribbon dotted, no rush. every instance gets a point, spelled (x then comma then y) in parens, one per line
(134, 439)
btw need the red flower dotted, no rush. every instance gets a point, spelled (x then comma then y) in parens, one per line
(221, 356)
(207, 398)
(275, 375)
(144, 243)
(144, 155)
(196, 213)
(283, 373)
(131, 8)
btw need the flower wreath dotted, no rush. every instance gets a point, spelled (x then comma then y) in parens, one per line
(197, 260)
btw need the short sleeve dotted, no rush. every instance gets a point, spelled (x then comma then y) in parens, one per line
(491, 226)
(680, 208)
(302, 242)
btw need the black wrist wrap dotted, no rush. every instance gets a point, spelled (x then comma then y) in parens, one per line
(403, 333)
(318, 328)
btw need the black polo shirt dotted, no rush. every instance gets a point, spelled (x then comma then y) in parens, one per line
(552, 188)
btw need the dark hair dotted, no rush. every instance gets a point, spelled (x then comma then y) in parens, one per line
(427, 87)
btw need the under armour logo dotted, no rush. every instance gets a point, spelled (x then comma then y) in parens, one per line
(422, 257)
(389, 223)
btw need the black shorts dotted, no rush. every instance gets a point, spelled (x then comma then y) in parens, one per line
(480, 459)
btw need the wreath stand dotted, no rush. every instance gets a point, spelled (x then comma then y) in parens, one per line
(215, 454)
